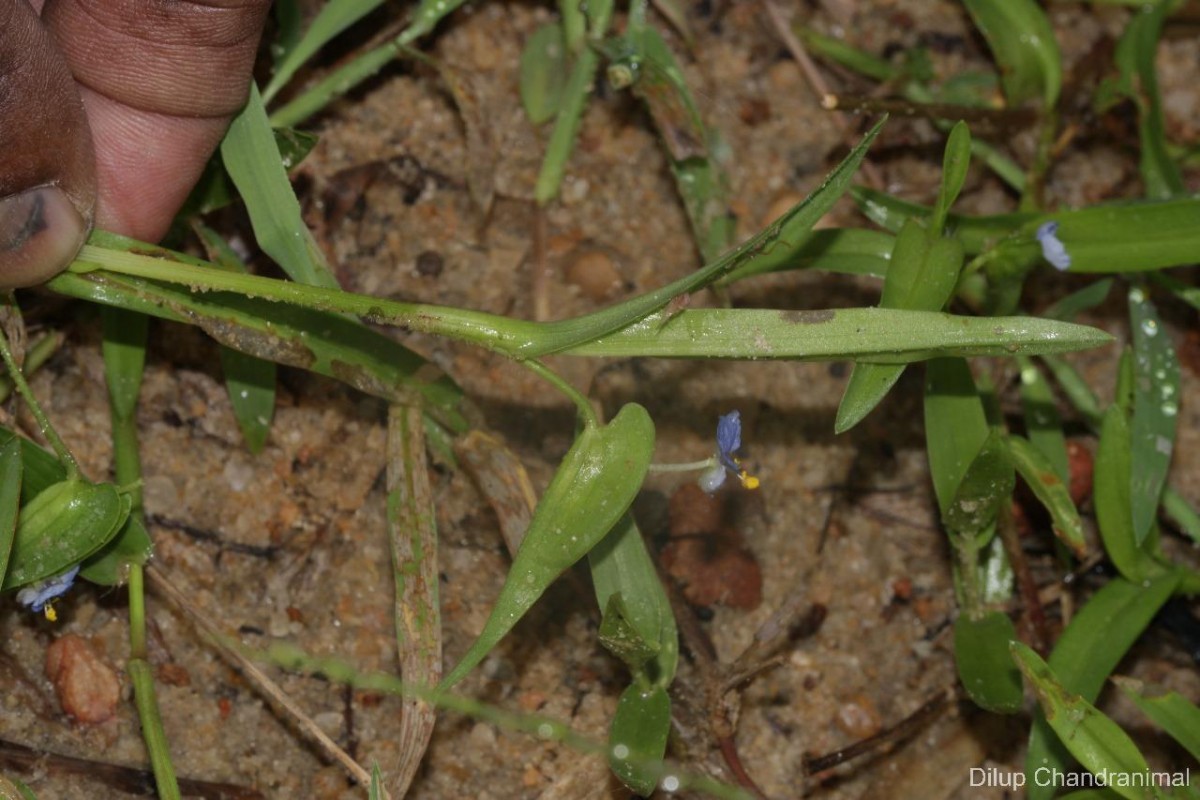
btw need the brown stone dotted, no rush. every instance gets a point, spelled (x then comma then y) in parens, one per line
(86, 685)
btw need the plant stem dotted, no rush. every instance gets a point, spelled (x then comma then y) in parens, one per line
(494, 332)
(690, 466)
(152, 729)
(18, 379)
(586, 412)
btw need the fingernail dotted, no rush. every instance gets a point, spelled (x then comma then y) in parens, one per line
(40, 232)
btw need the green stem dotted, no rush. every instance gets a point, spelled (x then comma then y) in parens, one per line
(487, 330)
(137, 612)
(18, 379)
(37, 355)
(691, 466)
(152, 728)
(586, 412)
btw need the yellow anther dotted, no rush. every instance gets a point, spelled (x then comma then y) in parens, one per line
(748, 480)
(50, 613)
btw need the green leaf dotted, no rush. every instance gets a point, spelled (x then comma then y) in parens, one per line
(256, 167)
(249, 381)
(375, 790)
(852, 251)
(574, 99)
(334, 17)
(214, 190)
(1112, 497)
(1090, 736)
(771, 243)
(588, 495)
(351, 73)
(1171, 711)
(109, 566)
(1181, 512)
(1042, 422)
(61, 526)
(623, 573)
(955, 426)
(1075, 389)
(620, 637)
(1090, 647)
(921, 277)
(11, 469)
(1023, 43)
(637, 739)
(1135, 57)
(1156, 396)
(987, 482)
(124, 351)
(1119, 237)
(543, 73)
(879, 335)
(324, 343)
(955, 163)
(981, 654)
(1085, 299)
(1051, 491)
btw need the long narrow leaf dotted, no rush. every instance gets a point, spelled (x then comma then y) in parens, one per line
(253, 161)
(1086, 654)
(590, 492)
(1156, 394)
(879, 335)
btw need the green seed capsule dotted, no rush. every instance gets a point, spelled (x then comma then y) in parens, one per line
(62, 525)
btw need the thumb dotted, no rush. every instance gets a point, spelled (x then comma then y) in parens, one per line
(47, 170)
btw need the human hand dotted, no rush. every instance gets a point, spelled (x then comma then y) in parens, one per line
(109, 110)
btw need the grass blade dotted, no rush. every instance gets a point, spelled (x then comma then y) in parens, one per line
(1096, 639)
(11, 469)
(252, 158)
(1156, 395)
(1024, 46)
(1043, 425)
(1094, 739)
(851, 251)
(1135, 57)
(1171, 711)
(333, 18)
(1051, 491)
(543, 73)
(249, 381)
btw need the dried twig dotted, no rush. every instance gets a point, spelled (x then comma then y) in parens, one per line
(412, 533)
(166, 587)
(815, 80)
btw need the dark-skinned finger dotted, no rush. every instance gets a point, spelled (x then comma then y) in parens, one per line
(160, 80)
(47, 173)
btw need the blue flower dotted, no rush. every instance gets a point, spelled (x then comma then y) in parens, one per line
(40, 596)
(729, 441)
(1053, 250)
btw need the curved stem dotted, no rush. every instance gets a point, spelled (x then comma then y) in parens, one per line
(690, 466)
(582, 403)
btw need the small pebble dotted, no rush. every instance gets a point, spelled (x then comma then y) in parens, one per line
(430, 264)
(595, 274)
(87, 687)
(858, 718)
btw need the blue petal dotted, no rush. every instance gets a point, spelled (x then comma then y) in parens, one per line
(1053, 250)
(729, 432)
(36, 596)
